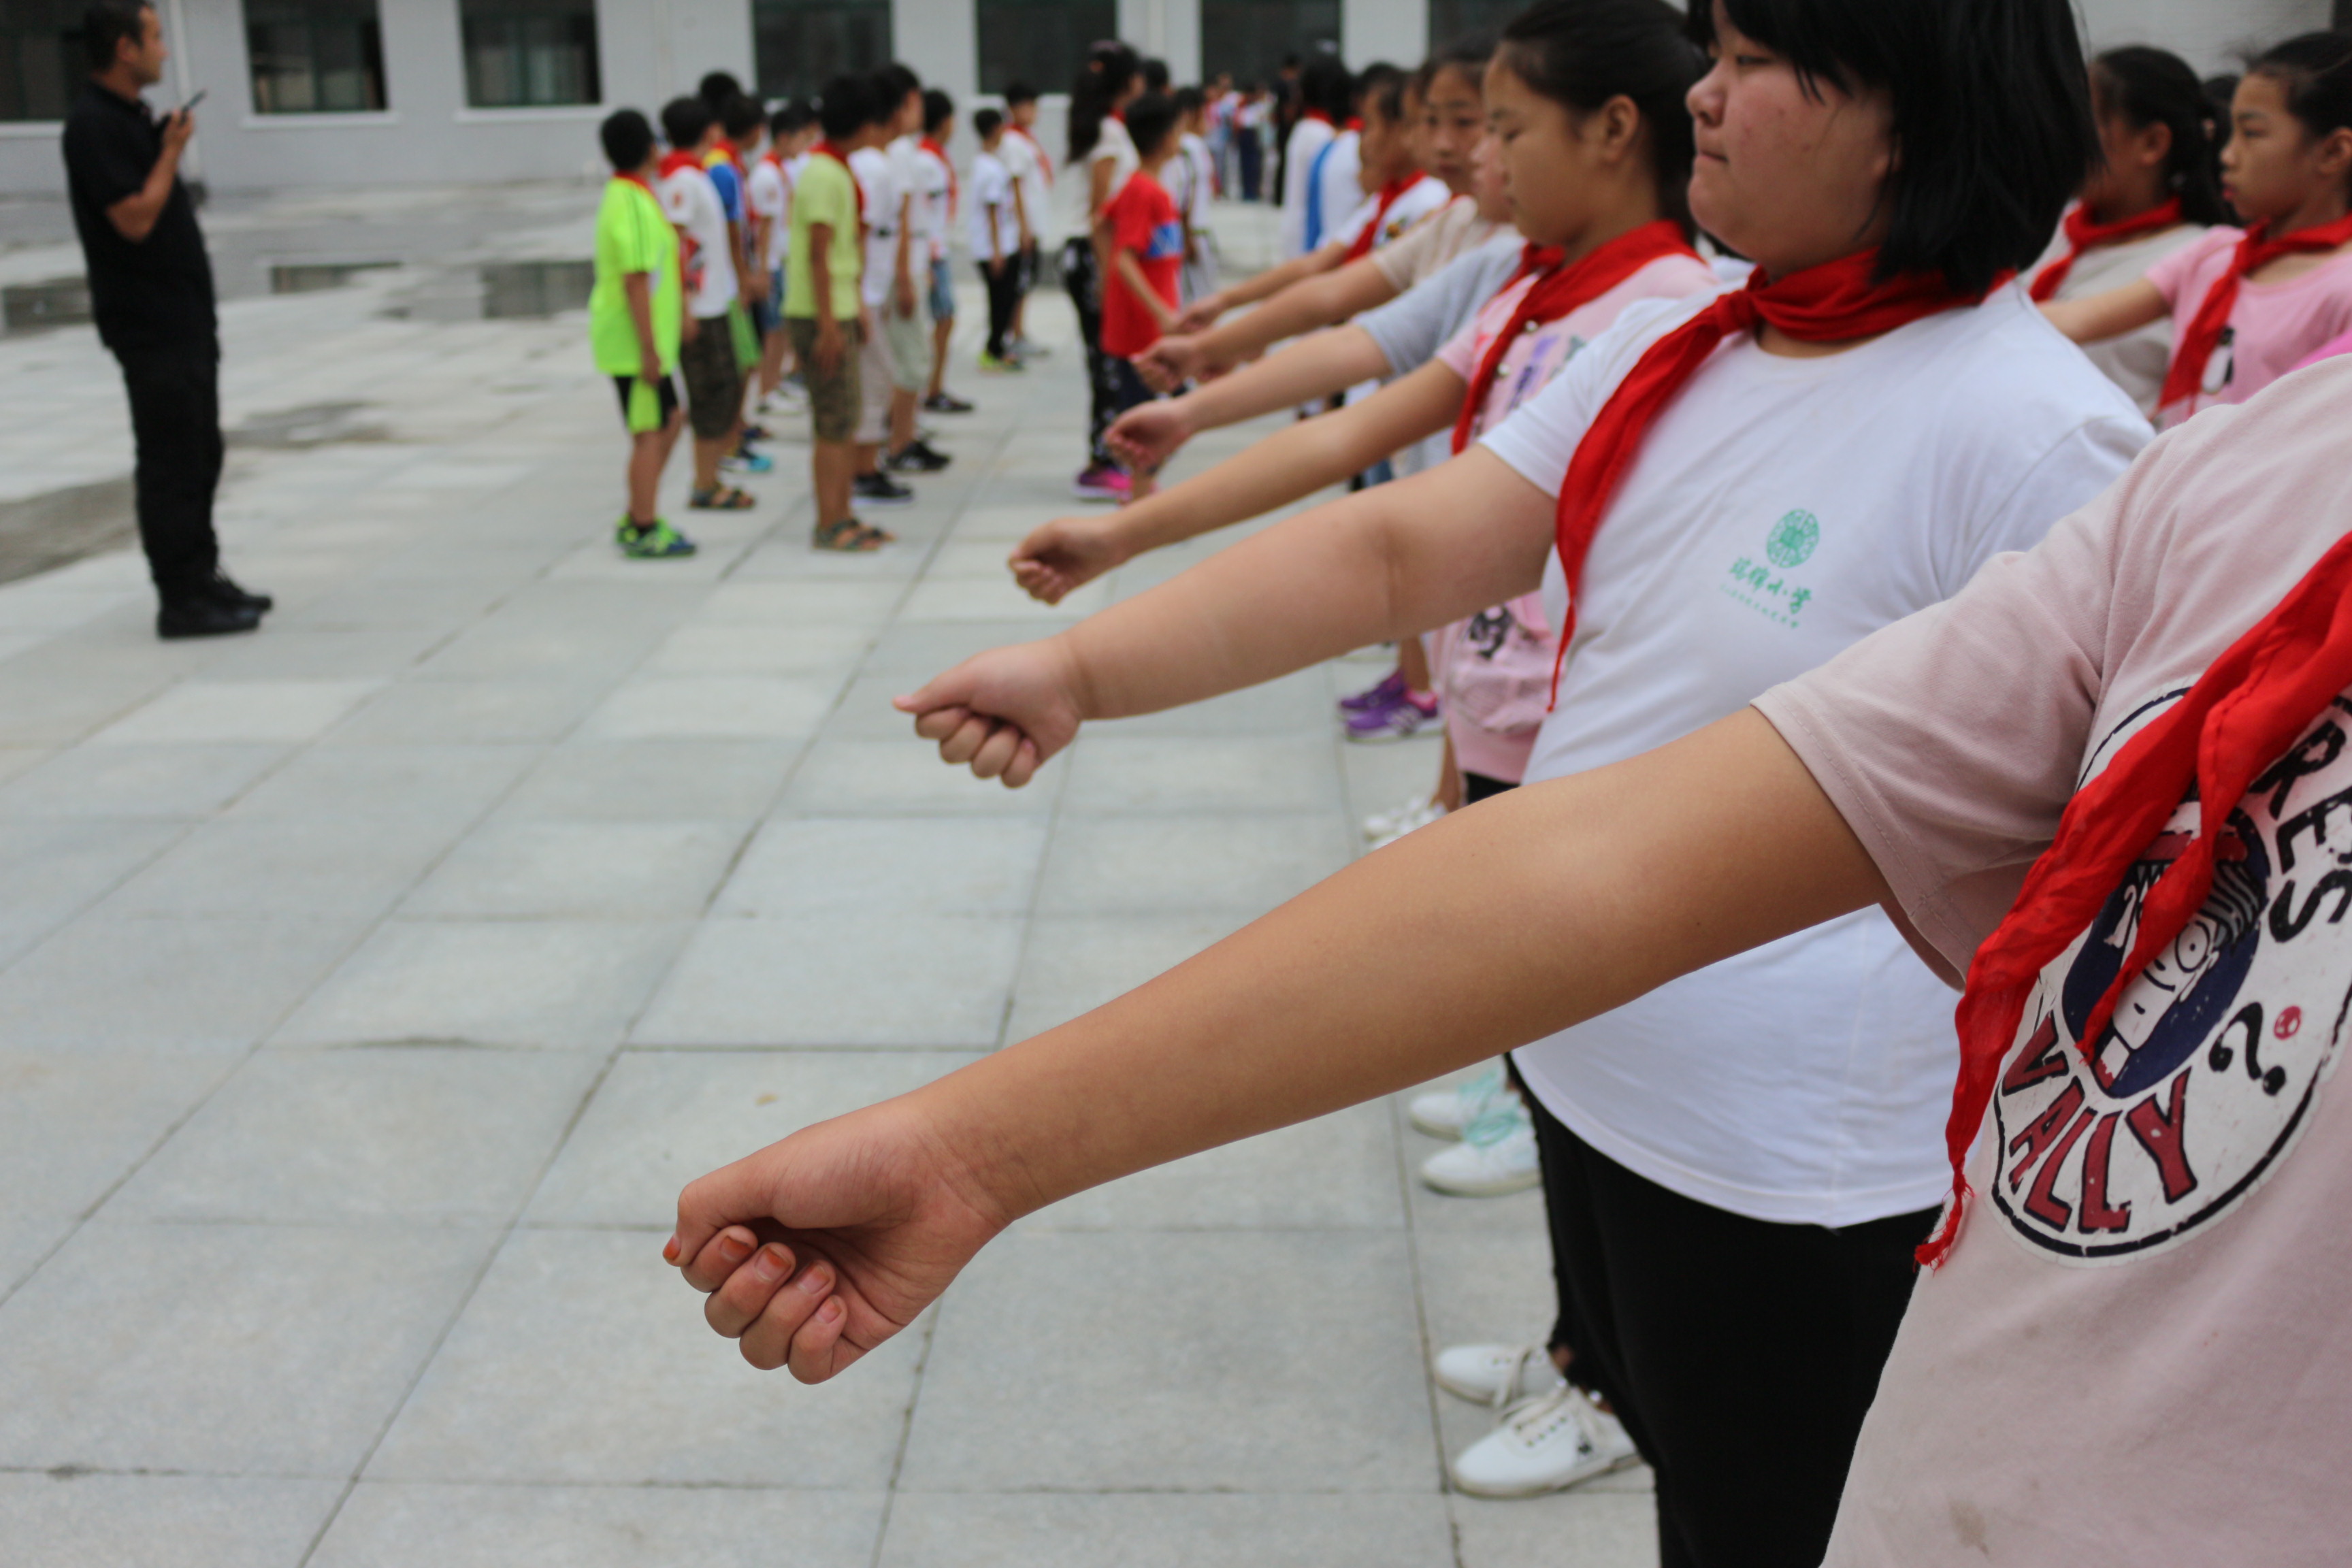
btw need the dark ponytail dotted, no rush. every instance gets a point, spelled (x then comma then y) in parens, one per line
(1582, 53)
(2151, 87)
(1109, 68)
(2315, 70)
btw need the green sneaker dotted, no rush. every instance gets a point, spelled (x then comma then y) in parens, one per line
(656, 540)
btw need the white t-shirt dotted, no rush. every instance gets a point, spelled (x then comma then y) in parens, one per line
(933, 210)
(692, 203)
(1337, 191)
(2136, 361)
(991, 186)
(1117, 146)
(1424, 197)
(872, 167)
(1780, 511)
(1307, 138)
(1026, 162)
(771, 199)
(1196, 171)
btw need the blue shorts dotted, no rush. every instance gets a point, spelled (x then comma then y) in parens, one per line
(943, 290)
(768, 315)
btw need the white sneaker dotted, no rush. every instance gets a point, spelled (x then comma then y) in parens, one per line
(1444, 1112)
(1546, 1443)
(1497, 1154)
(1495, 1374)
(1382, 827)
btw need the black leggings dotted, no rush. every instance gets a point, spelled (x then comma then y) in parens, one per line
(1080, 275)
(1003, 285)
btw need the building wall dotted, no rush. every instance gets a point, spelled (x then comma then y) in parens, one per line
(652, 49)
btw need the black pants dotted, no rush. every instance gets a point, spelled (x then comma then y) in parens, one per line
(1253, 161)
(1004, 285)
(1741, 1355)
(176, 424)
(1082, 278)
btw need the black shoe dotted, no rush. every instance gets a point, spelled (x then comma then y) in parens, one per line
(202, 616)
(881, 489)
(224, 588)
(917, 457)
(947, 403)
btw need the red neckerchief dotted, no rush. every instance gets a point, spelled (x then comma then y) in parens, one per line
(2193, 350)
(930, 145)
(672, 160)
(1317, 114)
(1370, 235)
(2243, 712)
(1037, 147)
(1826, 304)
(633, 178)
(1558, 291)
(825, 149)
(2083, 235)
(1354, 122)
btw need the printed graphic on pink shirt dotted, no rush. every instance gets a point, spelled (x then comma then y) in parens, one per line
(2207, 1073)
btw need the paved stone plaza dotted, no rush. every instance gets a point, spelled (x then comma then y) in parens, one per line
(369, 986)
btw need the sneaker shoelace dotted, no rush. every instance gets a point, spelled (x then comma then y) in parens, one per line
(1493, 1120)
(1533, 1419)
(1506, 1392)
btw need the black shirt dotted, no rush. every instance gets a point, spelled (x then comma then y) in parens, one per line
(151, 293)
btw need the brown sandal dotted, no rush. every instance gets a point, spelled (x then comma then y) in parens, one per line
(848, 537)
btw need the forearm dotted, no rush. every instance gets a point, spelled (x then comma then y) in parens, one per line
(1130, 272)
(2099, 316)
(1537, 910)
(1318, 302)
(1313, 367)
(1384, 563)
(134, 215)
(1275, 279)
(637, 286)
(820, 272)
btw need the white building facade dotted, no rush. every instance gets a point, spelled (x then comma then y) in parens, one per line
(338, 92)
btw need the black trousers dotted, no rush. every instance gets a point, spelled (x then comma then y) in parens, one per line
(176, 424)
(1004, 286)
(1741, 1355)
(1083, 278)
(1253, 161)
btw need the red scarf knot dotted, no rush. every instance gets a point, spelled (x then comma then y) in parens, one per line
(930, 145)
(2192, 351)
(2084, 234)
(1370, 235)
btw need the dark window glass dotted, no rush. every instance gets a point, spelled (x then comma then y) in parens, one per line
(1250, 37)
(41, 58)
(521, 53)
(1041, 43)
(1452, 21)
(314, 56)
(797, 46)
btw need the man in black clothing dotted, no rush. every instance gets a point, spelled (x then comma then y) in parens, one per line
(150, 290)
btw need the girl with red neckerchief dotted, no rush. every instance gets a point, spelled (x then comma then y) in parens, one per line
(2247, 306)
(2154, 191)
(1717, 495)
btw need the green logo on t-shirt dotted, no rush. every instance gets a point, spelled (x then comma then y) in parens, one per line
(1792, 539)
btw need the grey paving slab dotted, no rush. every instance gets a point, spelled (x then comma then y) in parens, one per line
(713, 708)
(228, 1350)
(210, 711)
(862, 865)
(53, 870)
(554, 983)
(1208, 1360)
(1147, 864)
(786, 647)
(660, 1119)
(610, 870)
(446, 783)
(172, 782)
(1590, 1529)
(1335, 1173)
(409, 1133)
(338, 866)
(162, 1521)
(1136, 1530)
(73, 1124)
(904, 778)
(791, 605)
(1150, 774)
(838, 980)
(1295, 705)
(1074, 964)
(25, 1239)
(290, 653)
(659, 781)
(399, 1525)
(505, 711)
(584, 1358)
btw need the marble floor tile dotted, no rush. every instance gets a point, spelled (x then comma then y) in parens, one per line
(610, 870)
(162, 1521)
(872, 866)
(400, 1524)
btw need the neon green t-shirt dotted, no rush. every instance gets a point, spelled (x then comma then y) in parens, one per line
(826, 193)
(633, 235)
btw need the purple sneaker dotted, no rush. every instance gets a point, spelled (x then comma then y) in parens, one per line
(1391, 688)
(1412, 714)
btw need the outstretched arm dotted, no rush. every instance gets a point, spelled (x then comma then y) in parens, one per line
(1314, 367)
(2098, 316)
(1289, 465)
(1264, 285)
(1536, 911)
(1321, 301)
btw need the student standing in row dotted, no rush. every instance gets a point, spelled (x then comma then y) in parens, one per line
(1147, 249)
(1032, 168)
(897, 349)
(790, 130)
(714, 377)
(635, 314)
(1193, 177)
(935, 194)
(1326, 101)
(1102, 152)
(823, 310)
(996, 233)
(2247, 307)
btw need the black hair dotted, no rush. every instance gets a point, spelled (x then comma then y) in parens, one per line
(885, 98)
(937, 107)
(684, 120)
(986, 122)
(1381, 85)
(716, 87)
(2153, 87)
(1467, 55)
(628, 139)
(1155, 75)
(1324, 83)
(790, 120)
(1150, 121)
(108, 24)
(739, 116)
(902, 79)
(1582, 53)
(1109, 68)
(842, 110)
(1191, 100)
(1018, 93)
(2315, 70)
(1992, 116)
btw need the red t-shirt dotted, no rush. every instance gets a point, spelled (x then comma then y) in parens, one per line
(1144, 220)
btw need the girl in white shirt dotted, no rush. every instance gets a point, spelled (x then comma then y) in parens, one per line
(1102, 151)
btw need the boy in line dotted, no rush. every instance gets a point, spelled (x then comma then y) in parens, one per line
(996, 235)
(1033, 196)
(824, 256)
(744, 128)
(714, 380)
(1147, 246)
(634, 314)
(888, 393)
(935, 191)
(1195, 183)
(789, 132)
